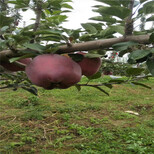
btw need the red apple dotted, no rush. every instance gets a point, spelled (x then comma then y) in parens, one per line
(53, 71)
(89, 66)
(13, 67)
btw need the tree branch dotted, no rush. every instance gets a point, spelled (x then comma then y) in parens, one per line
(129, 21)
(38, 13)
(101, 44)
(87, 46)
(38, 16)
(129, 80)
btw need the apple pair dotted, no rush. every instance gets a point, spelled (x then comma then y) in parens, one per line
(56, 71)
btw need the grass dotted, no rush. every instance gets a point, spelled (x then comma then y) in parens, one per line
(72, 122)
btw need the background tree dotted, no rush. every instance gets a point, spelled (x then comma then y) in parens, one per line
(47, 35)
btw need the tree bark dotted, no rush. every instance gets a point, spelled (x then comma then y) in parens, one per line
(101, 44)
(87, 46)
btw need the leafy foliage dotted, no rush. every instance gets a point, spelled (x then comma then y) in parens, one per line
(47, 34)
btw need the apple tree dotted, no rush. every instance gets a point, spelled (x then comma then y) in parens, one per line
(50, 56)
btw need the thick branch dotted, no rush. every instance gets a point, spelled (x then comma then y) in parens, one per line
(87, 46)
(101, 44)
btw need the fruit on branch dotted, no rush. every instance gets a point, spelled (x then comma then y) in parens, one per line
(13, 67)
(53, 71)
(89, 66)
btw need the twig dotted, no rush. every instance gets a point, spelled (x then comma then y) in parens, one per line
(123, 81)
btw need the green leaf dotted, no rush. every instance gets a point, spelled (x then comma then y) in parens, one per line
(150, 18)
(5, 21)
(104, 19)
(14, 59)
(148, 8)
(65, 5)
(150, 65)
(89, 28)
(46, 31)
(76, 57)
(109, 2)
(21, 39)
(13, 2)
(75, 34)
(49, 38)
(98, 26)
(142, 1)
(139, 32)
(141, 84)
(16, 144)
(3, 29)
(151, 39)
(78, 87)
(108, 85)
(87, 37)
(34, 46)
(18, 58)
(91, 55)
(124, 2)
(134, 71)
(136, 3)
(112, 30)
(139, 56)
(20, 3)
(29, 52)
(116, 81)
(32, 90)
(95, 76)
(152, 50)
(123, 45)
(117, 11)
(56, 19)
